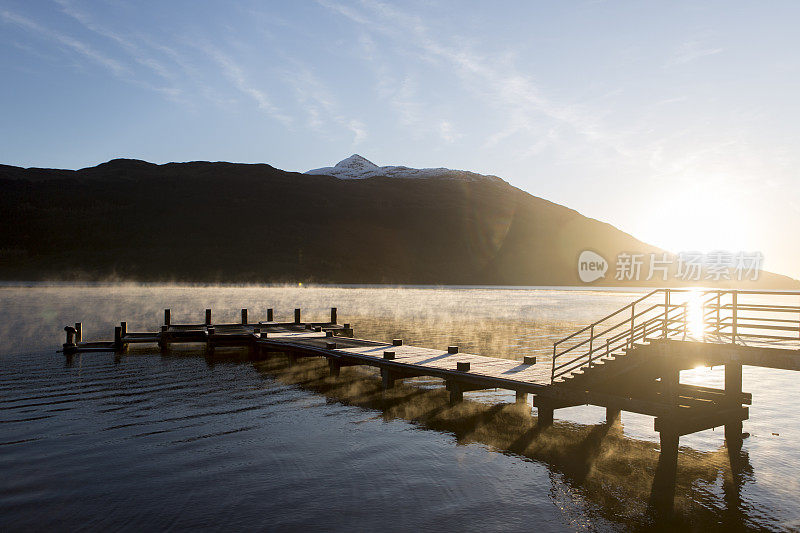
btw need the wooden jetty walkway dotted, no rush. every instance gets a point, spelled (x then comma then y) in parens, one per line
(629, 360)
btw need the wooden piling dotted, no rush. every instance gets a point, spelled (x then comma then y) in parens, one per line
(166, 317)
(397, 342)
(456, 392)
(118, 338)
(334, 368)
(78, 332)
(297, 316)
(244, 316)
(544, 412)
(208, 317)
(452, 349)
(270, 315)
(333, 315)
(124, 328)
(521, 397)
(388, 354)
(387, 379)
(733, 395)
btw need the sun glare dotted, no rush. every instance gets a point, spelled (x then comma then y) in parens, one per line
(694, 314)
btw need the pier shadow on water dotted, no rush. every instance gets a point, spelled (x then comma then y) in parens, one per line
(626, 480)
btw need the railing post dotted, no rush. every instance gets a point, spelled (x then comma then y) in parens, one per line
(633, 319)
(591, 343)
(735, 317)
(553, 369)
(666, 313)
(685, 322)
(719, 304)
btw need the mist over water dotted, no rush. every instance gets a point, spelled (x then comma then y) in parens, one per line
(185, 439)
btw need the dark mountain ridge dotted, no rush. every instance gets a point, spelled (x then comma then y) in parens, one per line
(230, 222)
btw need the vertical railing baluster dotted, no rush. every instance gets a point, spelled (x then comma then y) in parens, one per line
(553, 368)
(735, 317)
(633, 319)
(685, 321)
(591, 343)
(666, 314)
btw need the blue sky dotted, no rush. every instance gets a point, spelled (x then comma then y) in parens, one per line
(677, 122)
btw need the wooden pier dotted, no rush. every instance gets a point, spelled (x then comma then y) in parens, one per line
(629, 360)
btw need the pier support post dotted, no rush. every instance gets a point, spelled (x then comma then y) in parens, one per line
(124, 327)
(118, 338)
(612, 416)
(662, 493)
(669, 444)
(733, 395)
(78, 332)
(292, 358)
(208, 317)
(244, 316)
(269, 315)
(521, 398)
(334, 367)
(387, 377)
(456, 392)
(166, 317)
(544, 412)
(333, 315)
(297, 316)
(162, 339)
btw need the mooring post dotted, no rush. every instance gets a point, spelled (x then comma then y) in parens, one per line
(70, 341)
(118, 338)
(124, 328)
(269, 315)
(333, 315)
(208, 317)
(78, 332)
(244, 316)
(166, 317)
(297, 316)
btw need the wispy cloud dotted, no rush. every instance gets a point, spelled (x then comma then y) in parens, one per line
(690, 51)
(134, 50)
(235, 73)
(318, 102)
(71, 43)
(494, 81)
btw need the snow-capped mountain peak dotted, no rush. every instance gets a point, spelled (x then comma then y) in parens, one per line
(358, 167)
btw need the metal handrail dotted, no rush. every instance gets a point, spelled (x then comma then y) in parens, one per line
(718, 317)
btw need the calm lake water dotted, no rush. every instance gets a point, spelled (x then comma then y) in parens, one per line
(183, 440)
